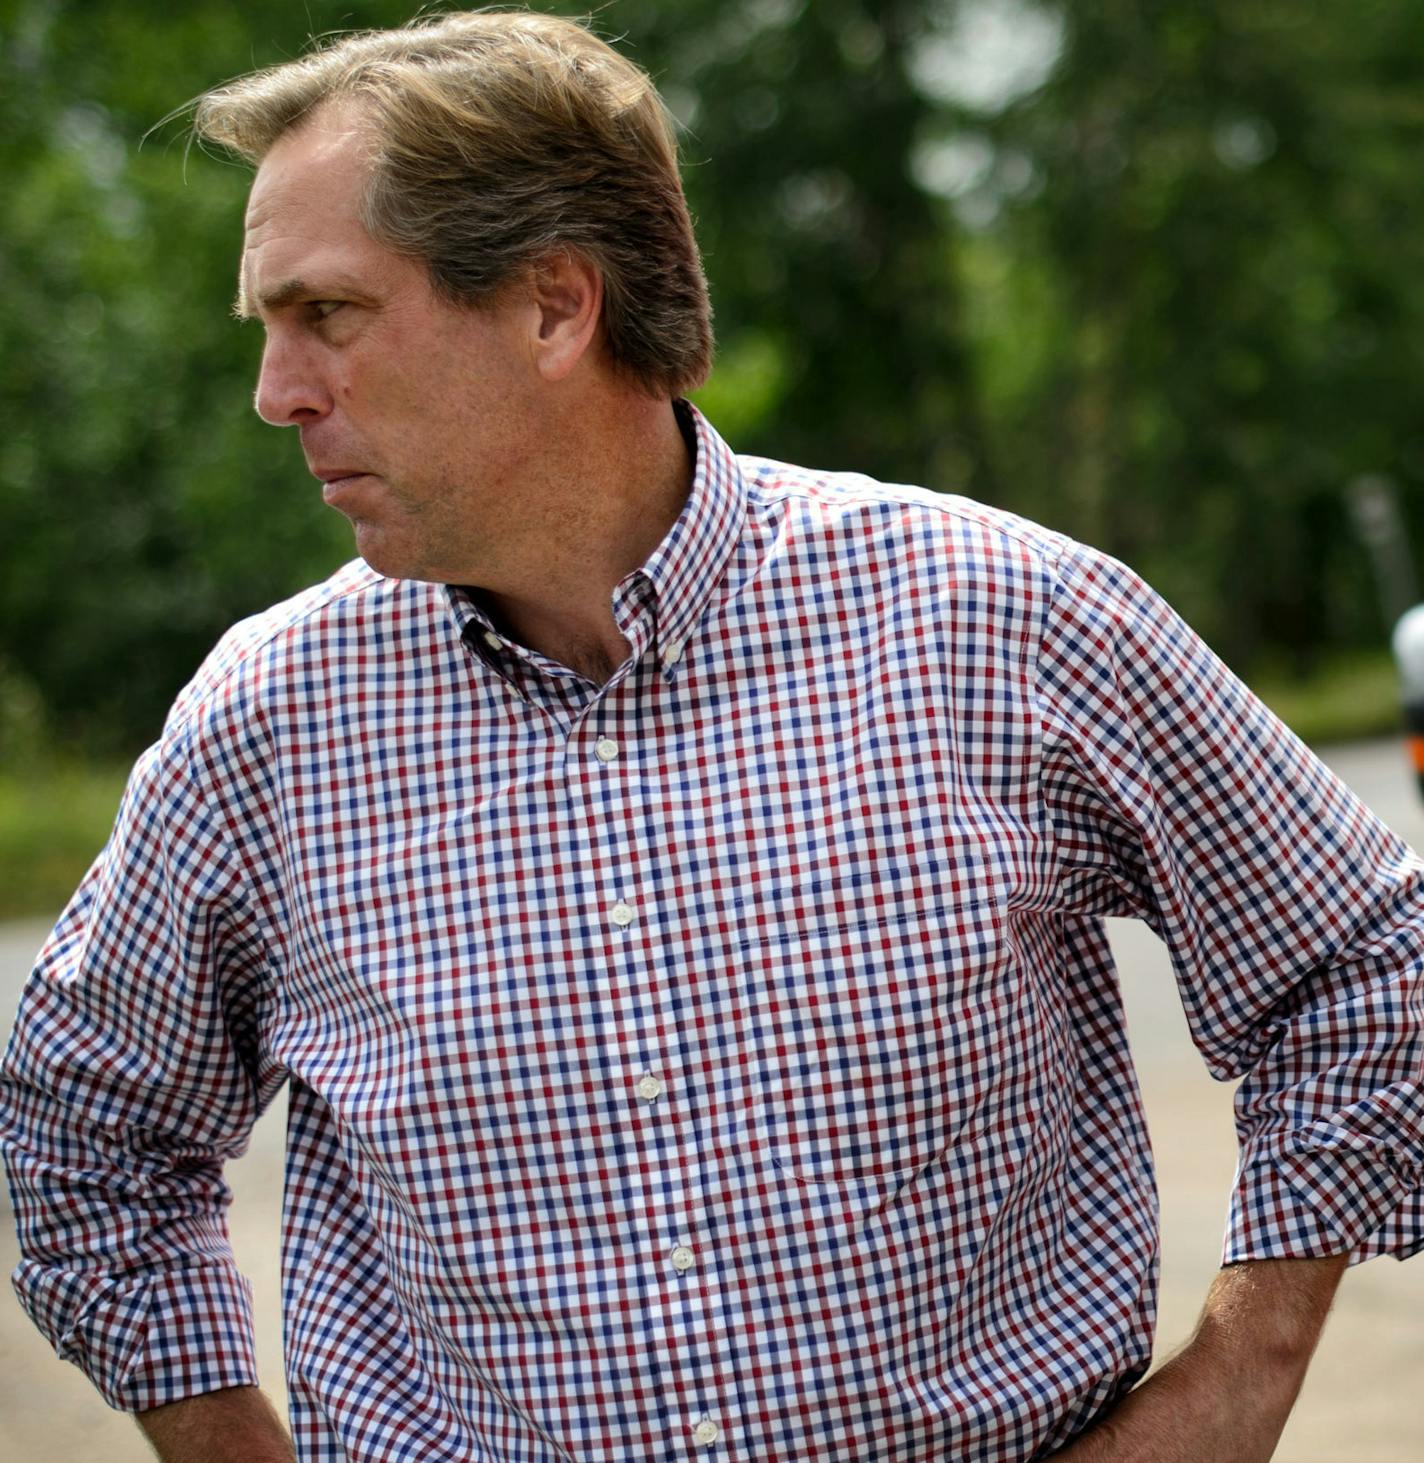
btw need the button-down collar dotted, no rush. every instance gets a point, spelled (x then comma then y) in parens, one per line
(687, 565)
(677, 580)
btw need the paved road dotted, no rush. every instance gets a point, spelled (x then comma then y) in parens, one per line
(1364, 1399)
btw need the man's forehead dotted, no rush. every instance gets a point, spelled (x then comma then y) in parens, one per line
(304, 213)
(322, 163)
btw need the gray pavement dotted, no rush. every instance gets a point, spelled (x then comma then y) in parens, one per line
(1362, 1403)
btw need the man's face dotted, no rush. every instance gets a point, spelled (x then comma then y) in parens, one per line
(411, 410)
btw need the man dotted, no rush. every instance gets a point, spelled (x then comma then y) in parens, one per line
(671, 884)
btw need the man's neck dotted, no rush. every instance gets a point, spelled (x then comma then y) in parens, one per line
(628, 500)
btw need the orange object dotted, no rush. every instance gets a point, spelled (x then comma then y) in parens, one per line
(1416, 752)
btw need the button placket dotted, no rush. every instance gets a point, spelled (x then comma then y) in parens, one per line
(609, 789)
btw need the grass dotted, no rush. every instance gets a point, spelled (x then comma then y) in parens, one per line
(55, 817)
(1347, 697)
(53, 820)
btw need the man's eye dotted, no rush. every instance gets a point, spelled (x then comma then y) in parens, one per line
(324, 309)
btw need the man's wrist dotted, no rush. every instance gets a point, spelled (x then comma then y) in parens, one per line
(1229, 1391)
(1268, 1314)
(1256, 1335)
(232, 1425)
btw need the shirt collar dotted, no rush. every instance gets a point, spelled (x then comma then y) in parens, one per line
(685, 567)
(691, 560)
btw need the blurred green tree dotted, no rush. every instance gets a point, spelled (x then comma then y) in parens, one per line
(141, 506)
(1143, 272)
(1213, 256)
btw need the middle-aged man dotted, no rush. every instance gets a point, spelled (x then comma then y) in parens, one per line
(671, 885)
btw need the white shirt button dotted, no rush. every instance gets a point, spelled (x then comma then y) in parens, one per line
(649, 1087)
(705, 1432)
(622, 914)
(493, 640)
(683, 1259)
(672, 652)
(605, 749)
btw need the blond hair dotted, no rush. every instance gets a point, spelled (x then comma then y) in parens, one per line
(501, 137)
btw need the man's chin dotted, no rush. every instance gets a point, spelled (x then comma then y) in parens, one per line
(390, 560)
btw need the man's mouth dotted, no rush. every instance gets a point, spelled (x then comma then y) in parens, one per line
(334, 484)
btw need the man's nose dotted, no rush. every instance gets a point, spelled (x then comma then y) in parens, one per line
(290, 389)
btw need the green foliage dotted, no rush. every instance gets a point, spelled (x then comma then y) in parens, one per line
(53, 822)
(1156, 285)
(141, 504)
(1225, 302)
(1349, 695)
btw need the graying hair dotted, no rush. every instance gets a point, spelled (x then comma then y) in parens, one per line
(501, 137)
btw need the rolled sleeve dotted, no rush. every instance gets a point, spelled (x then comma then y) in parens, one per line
(147, 1340)
(1329, 1119)
(1294, 918)
(135, 1069)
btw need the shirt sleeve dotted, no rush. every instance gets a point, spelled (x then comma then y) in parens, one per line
(133, 1072)
(1293, 916)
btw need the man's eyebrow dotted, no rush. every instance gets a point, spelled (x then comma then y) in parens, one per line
(286, 293)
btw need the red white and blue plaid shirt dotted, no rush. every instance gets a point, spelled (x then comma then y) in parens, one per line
(726, 1062)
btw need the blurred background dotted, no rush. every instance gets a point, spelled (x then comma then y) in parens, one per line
(1150, 273)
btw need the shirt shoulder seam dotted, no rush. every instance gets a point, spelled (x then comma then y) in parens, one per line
(306, 606)
(1048, 545)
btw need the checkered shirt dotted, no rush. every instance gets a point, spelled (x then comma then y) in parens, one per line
(727, 1062)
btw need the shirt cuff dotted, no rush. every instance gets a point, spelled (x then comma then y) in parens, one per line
(1328, 1202)
(150, 1339)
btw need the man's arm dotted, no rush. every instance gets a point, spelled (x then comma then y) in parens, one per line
(1225, 1397)
(235, 1425)
(135, 1070)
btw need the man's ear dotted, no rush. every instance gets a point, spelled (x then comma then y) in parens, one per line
(567, 295)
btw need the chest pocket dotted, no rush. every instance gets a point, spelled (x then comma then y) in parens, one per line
(877, 1043)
